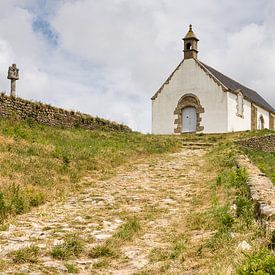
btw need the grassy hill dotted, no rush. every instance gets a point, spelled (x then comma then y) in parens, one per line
(40, 163)
(199, 208)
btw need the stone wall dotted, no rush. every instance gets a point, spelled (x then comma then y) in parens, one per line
(265, 143)
(262, 192)
(53, 116)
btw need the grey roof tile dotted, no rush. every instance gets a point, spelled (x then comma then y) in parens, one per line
(233, 85)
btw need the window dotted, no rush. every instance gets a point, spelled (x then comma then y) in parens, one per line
(261, 122)
(188, 46)
(240, 107)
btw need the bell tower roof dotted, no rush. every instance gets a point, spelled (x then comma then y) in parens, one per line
(190, 34)
(190, 44)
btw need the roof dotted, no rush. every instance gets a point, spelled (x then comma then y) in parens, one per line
(190, 34)
(228, 84)
(233, 85)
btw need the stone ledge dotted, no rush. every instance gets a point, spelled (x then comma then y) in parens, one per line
(262, 192)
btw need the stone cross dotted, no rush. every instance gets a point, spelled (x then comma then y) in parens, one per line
(13, 75)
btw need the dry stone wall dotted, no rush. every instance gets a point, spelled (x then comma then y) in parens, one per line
(262, 192)
(53, 116)
(265, 143)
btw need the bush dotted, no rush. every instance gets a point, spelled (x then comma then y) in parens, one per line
(261, 262)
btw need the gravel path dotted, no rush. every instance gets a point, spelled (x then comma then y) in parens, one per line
(159, 192)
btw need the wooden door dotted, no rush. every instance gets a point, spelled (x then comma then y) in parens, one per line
(189, 120)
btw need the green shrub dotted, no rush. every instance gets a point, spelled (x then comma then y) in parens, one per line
(261, 262)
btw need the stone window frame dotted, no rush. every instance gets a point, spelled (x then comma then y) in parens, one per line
(188, 100)
(261, 122)
(240, 107)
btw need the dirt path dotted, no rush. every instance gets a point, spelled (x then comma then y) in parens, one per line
(159, 192)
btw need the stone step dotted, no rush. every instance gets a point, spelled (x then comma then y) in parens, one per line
(200, 144)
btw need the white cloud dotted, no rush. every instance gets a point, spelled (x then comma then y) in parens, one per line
(111, 56)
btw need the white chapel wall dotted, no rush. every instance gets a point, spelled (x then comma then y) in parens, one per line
(237, 123)
(190, 78)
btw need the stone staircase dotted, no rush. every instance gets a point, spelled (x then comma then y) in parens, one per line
(195, 143)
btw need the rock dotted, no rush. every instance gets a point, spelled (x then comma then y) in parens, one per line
(169, 201)
(58, 242)
(55, 265)
(79, 219)
(42, 246)
(11, 227)
(24, 269)
(102, 237)
(135, 209)
(244, 246)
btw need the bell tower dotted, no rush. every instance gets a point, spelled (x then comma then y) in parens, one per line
(190, 44)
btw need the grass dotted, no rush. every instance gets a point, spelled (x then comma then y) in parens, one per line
(258, 262)
(25, 255)
(229, 217)
(173, 252)
(128, 229)
(103, 250)
(100, 264)
(234, 180)
(3, 265)
(40, 163)
(111, 248)
(72, 246)
(265, 161)
(71, 268)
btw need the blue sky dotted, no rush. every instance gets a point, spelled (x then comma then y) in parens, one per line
(107, 58)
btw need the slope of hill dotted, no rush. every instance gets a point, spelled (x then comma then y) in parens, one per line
(126, 203)
(41, 163)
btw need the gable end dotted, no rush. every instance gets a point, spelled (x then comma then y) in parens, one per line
(166, 82)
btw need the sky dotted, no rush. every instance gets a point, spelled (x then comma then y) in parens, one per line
(108, 57)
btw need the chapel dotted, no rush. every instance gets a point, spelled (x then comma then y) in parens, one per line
(196, 98)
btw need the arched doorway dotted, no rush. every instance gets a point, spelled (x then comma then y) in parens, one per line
(188, 115)
(189, 120)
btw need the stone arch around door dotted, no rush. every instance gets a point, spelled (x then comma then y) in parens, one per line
(188, 100)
